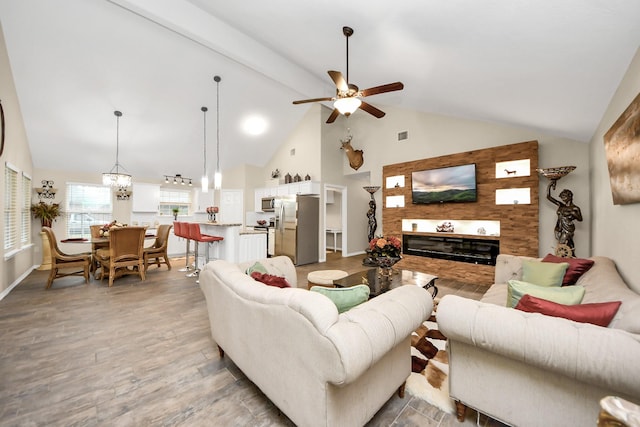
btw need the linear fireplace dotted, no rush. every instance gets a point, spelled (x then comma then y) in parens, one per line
(474, 251)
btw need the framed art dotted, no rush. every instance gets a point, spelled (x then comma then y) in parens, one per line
(1, 128)
(622, 147)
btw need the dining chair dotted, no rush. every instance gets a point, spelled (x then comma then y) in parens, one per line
(126, 246)
(95, 234)
(158, 251)
(61, 260)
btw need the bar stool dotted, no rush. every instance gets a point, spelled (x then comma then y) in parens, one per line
(180, 230)
(197, 237)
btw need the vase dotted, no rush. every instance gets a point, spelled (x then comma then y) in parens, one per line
(385, 266)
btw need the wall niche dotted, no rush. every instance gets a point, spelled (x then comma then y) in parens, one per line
(517, 222)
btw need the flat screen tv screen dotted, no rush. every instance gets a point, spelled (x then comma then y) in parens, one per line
(453, 184)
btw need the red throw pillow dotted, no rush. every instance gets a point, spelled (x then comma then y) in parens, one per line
(600, 313)
(577, 267)
(270, 279)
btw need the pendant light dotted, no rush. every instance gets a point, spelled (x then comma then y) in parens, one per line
(205, 177)
(217, 178)
(114, 177)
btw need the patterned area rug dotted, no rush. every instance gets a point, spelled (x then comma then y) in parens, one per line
(430, 366)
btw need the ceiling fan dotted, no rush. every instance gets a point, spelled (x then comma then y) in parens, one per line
(348, 96)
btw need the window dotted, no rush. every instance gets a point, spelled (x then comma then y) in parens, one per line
(10, 208)
(170, 199)
(25, 230)
(87, 205)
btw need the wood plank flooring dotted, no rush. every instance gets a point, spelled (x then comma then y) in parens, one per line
(141, 354)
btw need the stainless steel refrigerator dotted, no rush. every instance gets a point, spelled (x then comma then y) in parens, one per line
(297, 228)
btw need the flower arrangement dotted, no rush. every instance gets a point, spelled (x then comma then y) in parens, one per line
(46, 212)
(104, 230)
(388, 247)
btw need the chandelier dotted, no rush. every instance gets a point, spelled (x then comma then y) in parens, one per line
(114, 177)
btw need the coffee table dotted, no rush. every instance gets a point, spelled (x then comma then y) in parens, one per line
(379, 285)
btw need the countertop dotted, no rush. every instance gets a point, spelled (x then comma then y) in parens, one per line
(220, 224)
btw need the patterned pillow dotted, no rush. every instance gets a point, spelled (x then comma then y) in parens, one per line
(600, 313)
(577, 267)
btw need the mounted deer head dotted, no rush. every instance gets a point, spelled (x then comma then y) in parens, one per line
(355, 156)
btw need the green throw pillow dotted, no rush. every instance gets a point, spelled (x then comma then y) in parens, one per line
(257, 267)
(543, 273)
(344, 298)
(568, 295)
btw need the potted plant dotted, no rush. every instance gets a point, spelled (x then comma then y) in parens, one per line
(46, 212)
(175, 213)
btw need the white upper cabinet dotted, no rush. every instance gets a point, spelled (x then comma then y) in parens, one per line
(146, 197)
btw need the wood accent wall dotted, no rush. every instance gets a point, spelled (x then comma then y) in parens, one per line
(518, 223)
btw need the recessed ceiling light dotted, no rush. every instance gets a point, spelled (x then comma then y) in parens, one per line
(255, 125)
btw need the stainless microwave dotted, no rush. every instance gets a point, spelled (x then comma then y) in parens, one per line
(267, 204)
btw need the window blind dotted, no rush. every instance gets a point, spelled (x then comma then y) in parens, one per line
(10, 208)
(25, 223)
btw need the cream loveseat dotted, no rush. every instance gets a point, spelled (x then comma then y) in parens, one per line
(529, 369)
(319, 367)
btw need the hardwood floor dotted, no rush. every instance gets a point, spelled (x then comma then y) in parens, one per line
(141, 353)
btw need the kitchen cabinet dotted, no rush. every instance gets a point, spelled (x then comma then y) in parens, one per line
(146, 197)
(252, 246)
(301, 187)
(202, 200)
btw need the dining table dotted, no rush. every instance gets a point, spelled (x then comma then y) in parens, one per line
(97, 243)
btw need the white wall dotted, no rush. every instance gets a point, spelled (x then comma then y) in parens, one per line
(615, 231)
(17, 153)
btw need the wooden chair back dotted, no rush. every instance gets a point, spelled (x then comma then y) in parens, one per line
(61, 260)
(126, 244)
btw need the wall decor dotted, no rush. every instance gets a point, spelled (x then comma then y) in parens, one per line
(622, 147)
(356, 157)
(1, 128)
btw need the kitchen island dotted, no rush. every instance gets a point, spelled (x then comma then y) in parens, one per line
(239, 244)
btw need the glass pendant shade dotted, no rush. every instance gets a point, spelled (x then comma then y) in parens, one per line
(347, 106)
(205, 184)
(217, 180)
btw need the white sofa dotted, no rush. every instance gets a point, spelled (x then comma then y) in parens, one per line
(528, 369)
(319, 367)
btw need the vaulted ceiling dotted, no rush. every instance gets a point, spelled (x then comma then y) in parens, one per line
(548, 65)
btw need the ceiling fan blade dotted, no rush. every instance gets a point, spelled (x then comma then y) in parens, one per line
(304, 101)
(333, 116)
(340, 82)
(372, 110)
(382, 89)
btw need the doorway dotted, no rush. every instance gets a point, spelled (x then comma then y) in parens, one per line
(335, 221)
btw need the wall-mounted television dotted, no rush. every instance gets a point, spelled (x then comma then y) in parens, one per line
(453, 184)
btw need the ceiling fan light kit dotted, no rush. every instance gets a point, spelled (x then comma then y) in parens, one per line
(348, 96)
(346, 106)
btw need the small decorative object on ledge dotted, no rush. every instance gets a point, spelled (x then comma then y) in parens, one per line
(275, 173)
(567, 211)
(297, 178)
(46, 191)
(307, 177)
(445, 227)
(212, 211)
(287, 178)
